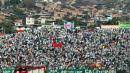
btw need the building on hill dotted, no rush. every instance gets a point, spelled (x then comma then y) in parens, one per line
(48, 1)
(2, 2)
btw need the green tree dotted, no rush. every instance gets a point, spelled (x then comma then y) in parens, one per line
(35, 16)
(29, 3)
(114, 21)
(77, 22)
(7, 26)
(47, 23)
(19, 13)
(13, 17)
(44, 3)
(14, 2)
(59, 22)
(86, 16)
(66, 17)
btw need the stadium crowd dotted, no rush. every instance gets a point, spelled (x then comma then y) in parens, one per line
(81, 49)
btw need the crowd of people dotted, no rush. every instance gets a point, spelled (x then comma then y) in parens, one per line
(81, 49)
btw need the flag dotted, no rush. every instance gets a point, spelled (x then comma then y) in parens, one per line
(97, 65)
(57, 45)
(68, 25)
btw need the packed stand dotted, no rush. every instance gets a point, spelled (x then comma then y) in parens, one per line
(81, 49)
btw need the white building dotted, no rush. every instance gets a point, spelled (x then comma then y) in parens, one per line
(44, 1)
(18, 23)
(43, 20)
(50, 0)
(30, 21)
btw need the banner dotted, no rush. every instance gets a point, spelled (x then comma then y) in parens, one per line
(42, 69)
(52, 71)
(22, 29)
(109, 26)
(124, 24)
(8, 70)
(109, 17)
(2, 45)
(68, 25)
(30, 69)
(71, 70)
(81, 71)
(100, 71)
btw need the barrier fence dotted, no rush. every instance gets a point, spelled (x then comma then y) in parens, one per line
(80, 71)
(7, 70)
(11, 70)
(24, 69)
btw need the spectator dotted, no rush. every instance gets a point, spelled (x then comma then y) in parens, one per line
(81, 49)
